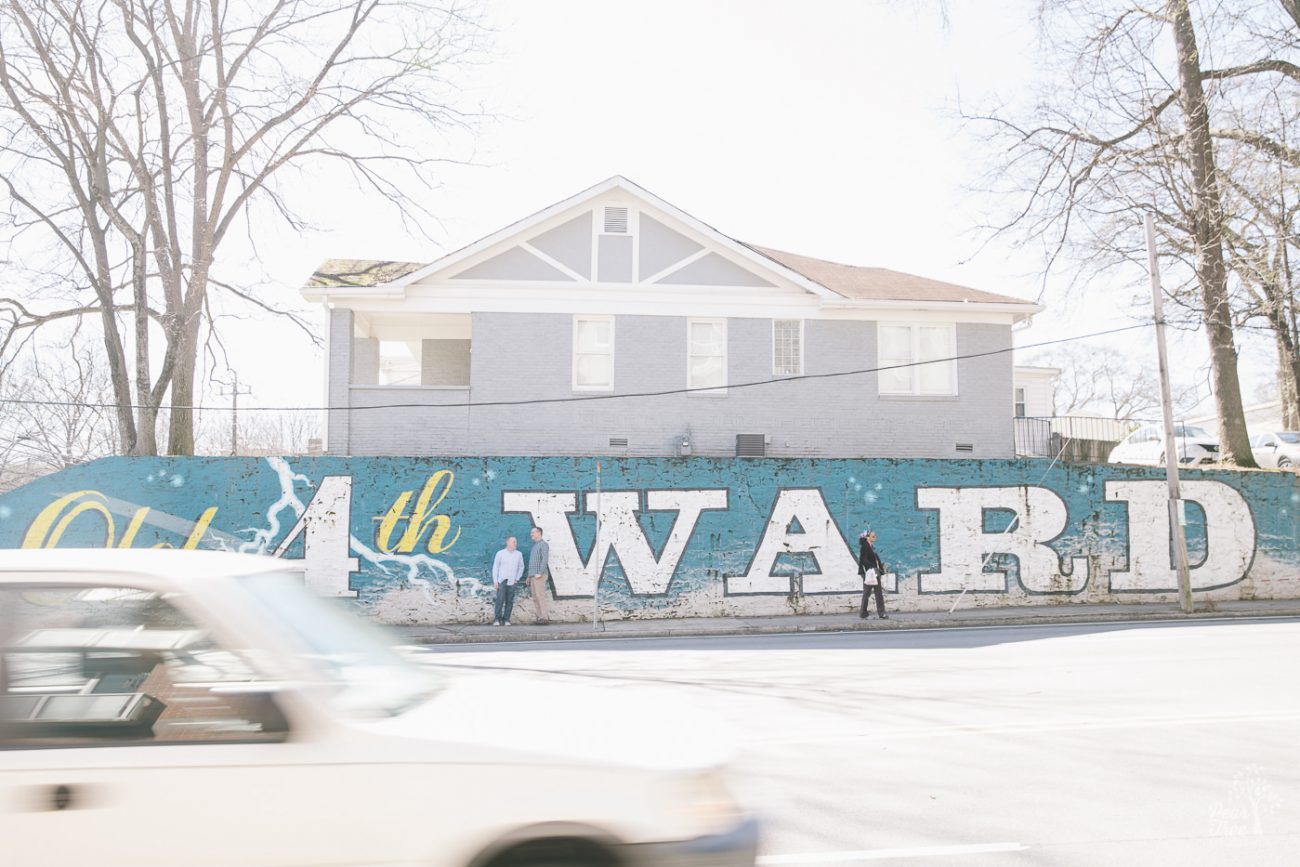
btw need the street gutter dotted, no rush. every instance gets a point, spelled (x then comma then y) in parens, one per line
(688, 628)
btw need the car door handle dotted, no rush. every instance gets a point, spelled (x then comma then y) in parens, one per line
(62, 797)
(59, 797)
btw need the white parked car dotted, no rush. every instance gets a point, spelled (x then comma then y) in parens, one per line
(201, 708)
(1146, 445)
(1277, 449)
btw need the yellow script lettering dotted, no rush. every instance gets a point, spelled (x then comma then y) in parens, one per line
(420, 518)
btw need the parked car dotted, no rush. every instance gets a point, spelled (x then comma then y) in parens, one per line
(1277, 449)
(200, 708)
(1146, 445)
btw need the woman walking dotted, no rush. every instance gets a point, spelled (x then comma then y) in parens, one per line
(872, 572)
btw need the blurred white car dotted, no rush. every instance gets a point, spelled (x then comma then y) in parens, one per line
(1277, 449)
(200, 708)
(1146, 445)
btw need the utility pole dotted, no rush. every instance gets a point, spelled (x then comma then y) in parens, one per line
(600, 561)
(1177, 511)
(234, 412)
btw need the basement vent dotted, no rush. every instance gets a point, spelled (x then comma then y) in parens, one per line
(965, 447)
(751, 445)
(616, 221)
(618, 442)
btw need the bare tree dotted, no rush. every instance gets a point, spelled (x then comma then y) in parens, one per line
(1208, 225)
(1261, 242)
(1108, 383)
(137, 135)
(55, 413)
(1123, 134)
(279, 432)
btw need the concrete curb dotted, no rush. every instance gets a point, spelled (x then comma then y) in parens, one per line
(779, 625)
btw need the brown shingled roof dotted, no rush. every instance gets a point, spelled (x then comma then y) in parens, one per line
(880, 284)
(361, 272)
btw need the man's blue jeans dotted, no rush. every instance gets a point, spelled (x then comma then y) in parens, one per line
(505, 602)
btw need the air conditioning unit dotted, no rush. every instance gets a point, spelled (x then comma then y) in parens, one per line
(751, 445)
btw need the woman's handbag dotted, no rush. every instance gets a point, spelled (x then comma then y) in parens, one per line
(870, 577)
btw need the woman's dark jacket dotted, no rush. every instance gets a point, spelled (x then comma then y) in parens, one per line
(868, 559)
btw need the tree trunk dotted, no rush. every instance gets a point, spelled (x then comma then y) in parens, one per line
(1288, 383)
(146, 442)
(1211, 270)
(180, 439)
(117, 369)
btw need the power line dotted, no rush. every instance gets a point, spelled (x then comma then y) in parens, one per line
(593, 397)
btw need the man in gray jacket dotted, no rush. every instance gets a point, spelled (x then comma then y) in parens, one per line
(539, 569)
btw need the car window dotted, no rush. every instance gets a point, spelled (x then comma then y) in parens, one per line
(1289, 436)
(355, 662)
(1192, 432)
(86, 666)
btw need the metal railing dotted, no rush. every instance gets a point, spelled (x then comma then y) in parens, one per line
(1075, 439)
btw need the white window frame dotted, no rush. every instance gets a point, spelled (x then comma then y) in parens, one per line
(573, 357)
(1020, 401)
(798, 372)
(705, 390)
(915, 357)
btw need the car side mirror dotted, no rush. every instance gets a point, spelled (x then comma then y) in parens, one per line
(1272, 446)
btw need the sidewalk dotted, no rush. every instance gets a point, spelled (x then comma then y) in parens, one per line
(700, 626)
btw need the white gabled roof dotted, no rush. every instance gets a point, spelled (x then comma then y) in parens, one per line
(834, 284)
(622, 184)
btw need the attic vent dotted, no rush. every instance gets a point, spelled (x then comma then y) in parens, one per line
(751, 445)
(965, 447)
(616, 221)
(618, 442)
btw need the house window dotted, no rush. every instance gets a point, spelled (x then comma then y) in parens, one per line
(707, 347)
(904, 351)
(593, 353)
(1020, 402)
(787, 347)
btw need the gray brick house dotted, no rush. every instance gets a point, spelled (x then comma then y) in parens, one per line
(614, 323)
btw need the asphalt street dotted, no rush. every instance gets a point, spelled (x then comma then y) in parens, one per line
(1048, 745)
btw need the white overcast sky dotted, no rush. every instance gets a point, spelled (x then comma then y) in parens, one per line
(823, 127)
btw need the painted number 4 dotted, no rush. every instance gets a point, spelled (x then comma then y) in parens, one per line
(326, 527)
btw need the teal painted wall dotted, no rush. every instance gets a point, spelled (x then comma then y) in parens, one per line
(412, 539)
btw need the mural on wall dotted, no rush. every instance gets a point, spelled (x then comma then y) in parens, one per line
(412, 539)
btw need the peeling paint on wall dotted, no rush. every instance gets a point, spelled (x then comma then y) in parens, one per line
(412, 540)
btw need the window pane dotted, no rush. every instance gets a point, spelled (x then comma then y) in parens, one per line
(786, 350)
(934, 343)
(87, 666)
(896, 381)
(593, 335)
(935, 378)
(706, 338)
(895, 344)
(706, 372)
(593, 370)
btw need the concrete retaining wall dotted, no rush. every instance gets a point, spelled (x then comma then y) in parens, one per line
(412, 539)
